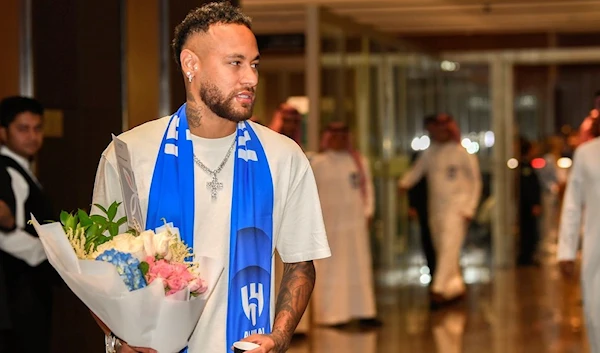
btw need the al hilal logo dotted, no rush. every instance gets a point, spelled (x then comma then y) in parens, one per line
(253, 303)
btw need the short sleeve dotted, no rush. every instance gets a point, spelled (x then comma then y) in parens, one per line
(302, 235)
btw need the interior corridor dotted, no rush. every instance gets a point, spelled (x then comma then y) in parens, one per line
(528, 310)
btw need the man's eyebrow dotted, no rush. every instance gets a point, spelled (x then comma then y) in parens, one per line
(241, 57)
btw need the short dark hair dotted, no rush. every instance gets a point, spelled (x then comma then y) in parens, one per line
(10, 107)
(200, 20)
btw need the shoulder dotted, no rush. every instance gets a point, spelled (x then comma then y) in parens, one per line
(145, 137)
(587, 148)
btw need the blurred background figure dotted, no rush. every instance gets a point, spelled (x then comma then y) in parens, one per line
(7, 223)
(530, 200)
(454, 188)
(29, 277)
(287, 121)
(344, 290)
(581, 206)
(417, 200)
(552, 181)
(585, 129)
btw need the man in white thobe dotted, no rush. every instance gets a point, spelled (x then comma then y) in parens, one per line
(582, 200)
(454, 189)
(344, 290)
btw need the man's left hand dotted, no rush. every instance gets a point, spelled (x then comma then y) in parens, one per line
(271, 343)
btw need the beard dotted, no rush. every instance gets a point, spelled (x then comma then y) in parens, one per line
(223, 106)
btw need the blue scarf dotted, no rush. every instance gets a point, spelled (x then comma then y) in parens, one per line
(251, 234)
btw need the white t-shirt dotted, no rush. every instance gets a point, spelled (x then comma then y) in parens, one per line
(298, 230)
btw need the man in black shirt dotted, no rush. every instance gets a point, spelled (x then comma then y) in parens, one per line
(7, 223)
(28, 275)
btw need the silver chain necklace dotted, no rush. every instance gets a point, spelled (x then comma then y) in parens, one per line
(214, 185)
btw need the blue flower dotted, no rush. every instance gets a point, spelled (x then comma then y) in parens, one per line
(127, 267)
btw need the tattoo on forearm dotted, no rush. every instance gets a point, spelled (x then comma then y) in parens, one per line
(296, 287)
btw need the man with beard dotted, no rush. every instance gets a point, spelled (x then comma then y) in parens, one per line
(345, 292)
(237, 191)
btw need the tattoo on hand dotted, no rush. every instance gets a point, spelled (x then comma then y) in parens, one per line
(296, 287)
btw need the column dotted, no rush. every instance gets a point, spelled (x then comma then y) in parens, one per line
(313, 74)
(503, 183)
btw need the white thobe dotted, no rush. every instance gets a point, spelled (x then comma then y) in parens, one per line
(454, 190)
(344, 288)
(582, 200)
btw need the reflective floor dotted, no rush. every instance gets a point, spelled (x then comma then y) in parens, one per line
(530, 309)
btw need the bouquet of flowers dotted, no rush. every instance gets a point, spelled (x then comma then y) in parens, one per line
(147, 287)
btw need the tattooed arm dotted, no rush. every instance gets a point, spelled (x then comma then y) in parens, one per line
(295, 290)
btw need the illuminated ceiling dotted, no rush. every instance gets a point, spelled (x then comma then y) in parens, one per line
(434, 16)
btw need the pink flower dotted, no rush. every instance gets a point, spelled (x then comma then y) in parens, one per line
(197, 286)
(175, 276)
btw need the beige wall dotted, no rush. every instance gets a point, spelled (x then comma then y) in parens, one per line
(9, 44)
(143, 62)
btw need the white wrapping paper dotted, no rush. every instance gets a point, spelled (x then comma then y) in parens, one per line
(142, 318)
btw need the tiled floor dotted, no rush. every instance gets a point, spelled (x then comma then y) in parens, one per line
(529, 310)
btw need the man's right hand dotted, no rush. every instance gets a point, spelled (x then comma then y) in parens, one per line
(567, 268)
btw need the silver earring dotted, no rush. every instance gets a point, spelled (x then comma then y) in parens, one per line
(189, 75)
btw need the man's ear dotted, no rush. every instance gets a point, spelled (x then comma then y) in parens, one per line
(189, 61)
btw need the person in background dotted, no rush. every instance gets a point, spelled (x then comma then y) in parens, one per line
(582, 205)
(585, 129)
(7, 223)
(417, 200)
(454, 188)
(288, 122)
(552, 180)
(344, 291)
(530, 200)
(29, 277)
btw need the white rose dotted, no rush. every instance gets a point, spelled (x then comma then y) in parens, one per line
(126, 243)
(157, 244)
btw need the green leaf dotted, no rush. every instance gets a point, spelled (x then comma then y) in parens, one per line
(84, 219)
(112, 211)
(70, 223)
(101, 240)
(92, 231)
(97, 219)
(113, 229)
(144, 267)
(101, 208)
(122, 220)
(64, 216)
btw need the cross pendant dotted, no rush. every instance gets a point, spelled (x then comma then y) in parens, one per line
(214, 186)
